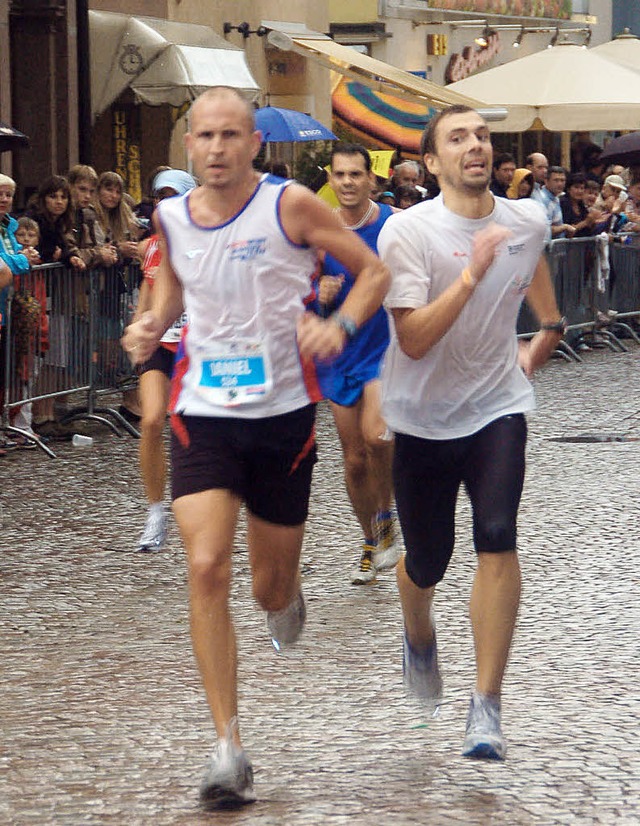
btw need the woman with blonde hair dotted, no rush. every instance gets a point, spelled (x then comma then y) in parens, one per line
(121, 230)
(119, 224)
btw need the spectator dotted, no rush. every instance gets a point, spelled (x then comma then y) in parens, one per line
(504, 167)
(387, 197)
(278, 168)
(591, 192)
(52, 210)
(610, 203)
(14, 261)
(89, 235)
(407, 196)
(538, 165)
(521, 185)
(574, 209)
(144, 210)
(409, 173)
(115, 216)
(549, 197)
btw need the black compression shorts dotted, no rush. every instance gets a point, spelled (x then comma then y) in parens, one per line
(428, 474)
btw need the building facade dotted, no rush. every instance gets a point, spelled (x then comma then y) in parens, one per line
(44, 73)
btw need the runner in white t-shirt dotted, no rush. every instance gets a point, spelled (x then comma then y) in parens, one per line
(238, 254)
(454, 391)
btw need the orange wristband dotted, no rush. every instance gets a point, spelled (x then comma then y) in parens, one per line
(467, 279)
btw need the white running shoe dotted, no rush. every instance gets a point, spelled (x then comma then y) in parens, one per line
(483, 739)
(285, 626)
(365, 572)
(155, 530)
(389, 544)
(420, 671)
(228, 779)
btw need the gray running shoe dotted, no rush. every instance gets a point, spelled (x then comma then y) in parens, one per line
(421, 675)
(285, 626)
(389, 545)
(155, 531)
(365, 572)
(228, 779)
(484, 739)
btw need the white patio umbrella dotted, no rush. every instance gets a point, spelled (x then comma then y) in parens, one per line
(623, 49)
(564, 89)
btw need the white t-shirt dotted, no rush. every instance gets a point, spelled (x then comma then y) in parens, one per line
(471, 376)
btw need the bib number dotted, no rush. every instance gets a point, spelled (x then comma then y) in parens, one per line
(235, 374)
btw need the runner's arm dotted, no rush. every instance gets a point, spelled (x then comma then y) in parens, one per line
(308, 220)
(420, 328)
(141, 338)
(542, 300)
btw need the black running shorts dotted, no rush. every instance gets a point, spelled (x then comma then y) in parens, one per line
(267, 462)
(161, 360)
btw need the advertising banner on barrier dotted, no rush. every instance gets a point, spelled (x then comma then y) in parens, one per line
(560, 9)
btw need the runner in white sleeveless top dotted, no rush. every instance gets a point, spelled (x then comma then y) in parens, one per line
(241, 251)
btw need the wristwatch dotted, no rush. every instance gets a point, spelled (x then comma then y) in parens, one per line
(555, 326)
(346, 324)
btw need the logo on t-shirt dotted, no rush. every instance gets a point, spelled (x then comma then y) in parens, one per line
(520, 284)
(514, 249)
(247, 250)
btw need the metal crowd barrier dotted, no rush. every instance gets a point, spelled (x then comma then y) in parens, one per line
(62, 337)
(597, 286)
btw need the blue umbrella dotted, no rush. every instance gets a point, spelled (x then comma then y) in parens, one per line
(287, 126)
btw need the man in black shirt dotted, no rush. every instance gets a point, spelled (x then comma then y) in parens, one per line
(504, 166)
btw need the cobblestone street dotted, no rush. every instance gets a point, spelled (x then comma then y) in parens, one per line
(103, 717)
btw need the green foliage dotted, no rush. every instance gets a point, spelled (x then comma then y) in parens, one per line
(310, 159)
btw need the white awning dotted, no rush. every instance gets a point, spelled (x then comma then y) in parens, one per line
(295, 37)
(161, 61)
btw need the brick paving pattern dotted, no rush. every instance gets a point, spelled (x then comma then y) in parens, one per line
(102, 716)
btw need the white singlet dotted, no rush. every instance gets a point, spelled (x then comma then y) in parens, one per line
(471, 376)
(244, 288)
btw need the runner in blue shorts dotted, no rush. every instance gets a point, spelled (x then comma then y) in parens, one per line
(351, 381)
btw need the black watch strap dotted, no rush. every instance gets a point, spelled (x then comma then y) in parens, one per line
(555, 326)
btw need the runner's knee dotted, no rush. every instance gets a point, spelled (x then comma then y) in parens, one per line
(496, 535)
(425, 571)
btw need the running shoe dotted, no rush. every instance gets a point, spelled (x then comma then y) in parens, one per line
(228, 779)
(365, 571)
(285, 626)
(389, 546)
(420, 672)
(484, 739)
(155, 530)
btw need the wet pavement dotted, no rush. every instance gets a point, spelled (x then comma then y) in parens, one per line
(103, 720)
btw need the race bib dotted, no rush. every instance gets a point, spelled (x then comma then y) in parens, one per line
(235, 373)
(174, 333)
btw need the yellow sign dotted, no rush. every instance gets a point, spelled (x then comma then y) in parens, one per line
(126, 152)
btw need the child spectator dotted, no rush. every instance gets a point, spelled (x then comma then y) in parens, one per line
(30, 328)
(88, 234)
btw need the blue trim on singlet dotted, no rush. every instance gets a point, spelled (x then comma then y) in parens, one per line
(342, 381)
(233, 217)
(279, 218)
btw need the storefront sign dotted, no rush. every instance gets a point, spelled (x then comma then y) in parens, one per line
(126, 149)
(471, 59)
(560, 9)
